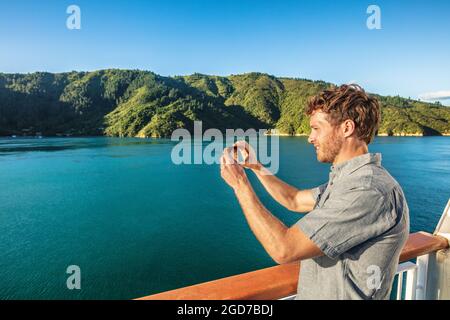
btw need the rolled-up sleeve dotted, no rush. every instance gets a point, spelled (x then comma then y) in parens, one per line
(318, 191)
(346, 219)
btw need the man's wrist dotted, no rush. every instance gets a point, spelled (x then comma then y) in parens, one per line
(242, 184)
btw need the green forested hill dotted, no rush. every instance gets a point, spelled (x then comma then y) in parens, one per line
(142, 103)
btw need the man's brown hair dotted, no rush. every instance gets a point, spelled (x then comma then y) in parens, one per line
(349, 102)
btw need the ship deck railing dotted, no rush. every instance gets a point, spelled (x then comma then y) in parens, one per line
(280, 282)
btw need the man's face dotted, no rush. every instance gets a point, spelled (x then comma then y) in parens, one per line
(327, 140)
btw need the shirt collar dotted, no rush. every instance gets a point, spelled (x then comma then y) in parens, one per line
(355, 163)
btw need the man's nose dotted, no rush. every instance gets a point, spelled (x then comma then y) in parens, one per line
(311, 139)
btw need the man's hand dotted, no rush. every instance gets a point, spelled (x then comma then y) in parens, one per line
(281, 243)
(233, 174)
(288, 196)
(249, 159)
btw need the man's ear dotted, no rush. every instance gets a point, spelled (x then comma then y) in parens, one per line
(348, 127)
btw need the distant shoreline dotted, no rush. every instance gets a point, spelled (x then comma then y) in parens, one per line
(267, 134)
(118, 102)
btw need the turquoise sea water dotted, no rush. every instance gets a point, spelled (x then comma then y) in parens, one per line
(137, 224)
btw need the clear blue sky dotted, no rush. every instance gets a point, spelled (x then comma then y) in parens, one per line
(325, 40)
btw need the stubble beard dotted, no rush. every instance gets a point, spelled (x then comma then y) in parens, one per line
(330, 148)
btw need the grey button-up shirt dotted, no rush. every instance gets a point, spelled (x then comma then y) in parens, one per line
(360, 222)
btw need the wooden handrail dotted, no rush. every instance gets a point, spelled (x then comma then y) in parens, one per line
(281, 280)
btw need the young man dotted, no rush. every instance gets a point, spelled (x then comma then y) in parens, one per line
(350, 241)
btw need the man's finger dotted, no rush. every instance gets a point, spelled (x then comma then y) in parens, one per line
(227, 155)
(242, 145)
